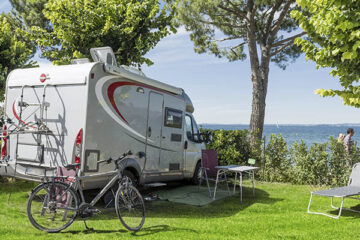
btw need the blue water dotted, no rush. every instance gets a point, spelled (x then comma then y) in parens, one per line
(309, 133)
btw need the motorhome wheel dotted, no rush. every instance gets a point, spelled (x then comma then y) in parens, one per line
(197, 174)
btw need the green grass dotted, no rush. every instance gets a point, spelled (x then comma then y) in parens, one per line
(277, 212)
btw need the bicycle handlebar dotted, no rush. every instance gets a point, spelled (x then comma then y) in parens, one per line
(108, 161)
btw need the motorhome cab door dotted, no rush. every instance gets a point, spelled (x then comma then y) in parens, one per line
(192, 144)
(172, 157)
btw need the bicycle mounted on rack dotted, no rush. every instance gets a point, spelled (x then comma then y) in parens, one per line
(20, 127)
(55, 203)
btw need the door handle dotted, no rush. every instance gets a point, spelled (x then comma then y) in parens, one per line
(149, 131)
(186, 145)
(163, 137)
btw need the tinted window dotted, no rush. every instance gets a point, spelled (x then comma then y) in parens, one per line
(173, 118)
(195, 131)
(188, 127)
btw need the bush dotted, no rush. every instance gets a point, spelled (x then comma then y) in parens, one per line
(233, 146)
(277, 163)
(318, 164)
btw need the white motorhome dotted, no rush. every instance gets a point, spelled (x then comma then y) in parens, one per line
(86, 112)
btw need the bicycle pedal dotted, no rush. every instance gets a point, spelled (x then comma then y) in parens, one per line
(95, 211)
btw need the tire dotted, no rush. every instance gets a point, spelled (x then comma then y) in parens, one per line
(43, 206)
(130, 207)
(196, 177)
(131, 176)
(109, 198)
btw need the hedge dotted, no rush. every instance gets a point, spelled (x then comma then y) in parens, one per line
(319, 164)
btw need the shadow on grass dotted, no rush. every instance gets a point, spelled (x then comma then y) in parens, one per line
(143, 232)
(347, 213)
(14, 186)
(225, 207)
(90, 231)
(160, 228)
(221, 208)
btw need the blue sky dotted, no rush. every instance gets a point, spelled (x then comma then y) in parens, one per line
(221, 91)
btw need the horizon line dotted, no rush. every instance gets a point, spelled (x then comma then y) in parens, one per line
(228, 124)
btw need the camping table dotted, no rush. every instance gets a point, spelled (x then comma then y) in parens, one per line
(237, 170)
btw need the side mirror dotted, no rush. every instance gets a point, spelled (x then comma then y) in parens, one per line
(206, 137)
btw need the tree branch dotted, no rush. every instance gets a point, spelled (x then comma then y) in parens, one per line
(235, 11)
(280, 43)
(271, 18)
(220, 24)
(282, 48)
(228, 38)
(239, 45)
(283, 13)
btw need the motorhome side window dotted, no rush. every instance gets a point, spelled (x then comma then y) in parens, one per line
(173, 118)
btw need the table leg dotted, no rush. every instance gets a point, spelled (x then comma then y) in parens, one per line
(235, 183)
(253, 183)
(240, 187)
(217, 179)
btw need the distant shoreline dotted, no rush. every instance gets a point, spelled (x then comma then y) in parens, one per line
(285, 124)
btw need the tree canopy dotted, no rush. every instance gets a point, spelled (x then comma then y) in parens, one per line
(130, 27)
(226, 27)
(31, 12)
(333, 27)
(15, 48)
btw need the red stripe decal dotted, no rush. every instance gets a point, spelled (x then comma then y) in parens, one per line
(115, 85)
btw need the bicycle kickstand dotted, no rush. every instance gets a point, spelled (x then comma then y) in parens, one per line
(87, 228)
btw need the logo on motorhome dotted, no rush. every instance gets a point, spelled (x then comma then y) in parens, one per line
(43, 77)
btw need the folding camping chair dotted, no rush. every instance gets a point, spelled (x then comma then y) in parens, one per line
(349, 191)
(208, 172)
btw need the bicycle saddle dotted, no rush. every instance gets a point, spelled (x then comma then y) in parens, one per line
(72, 166)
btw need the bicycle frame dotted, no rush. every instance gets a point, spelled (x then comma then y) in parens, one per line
(77, 182)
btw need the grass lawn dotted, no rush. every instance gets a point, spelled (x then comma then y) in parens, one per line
(277, 212)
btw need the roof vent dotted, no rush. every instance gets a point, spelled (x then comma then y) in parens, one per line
(103, 55)
(79, 61)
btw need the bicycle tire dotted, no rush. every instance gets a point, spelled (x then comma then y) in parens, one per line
(62, 197)
(128, 199)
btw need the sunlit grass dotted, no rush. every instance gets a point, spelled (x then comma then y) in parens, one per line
(277, 212)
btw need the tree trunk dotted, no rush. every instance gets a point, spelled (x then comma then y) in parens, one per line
(258, 110)
(259, 78)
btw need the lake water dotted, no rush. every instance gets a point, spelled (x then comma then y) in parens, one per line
(309, 133)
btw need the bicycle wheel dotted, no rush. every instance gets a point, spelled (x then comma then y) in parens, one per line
(130, 207)
(52, 207)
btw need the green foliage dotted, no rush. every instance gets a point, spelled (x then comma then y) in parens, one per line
(333, 28)
(130, 27)
(31, 12)
(303, 164)
(222, 27)
(233, 147)
(318, 164)
(319, 168)
(277, 164)
(15, 48)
